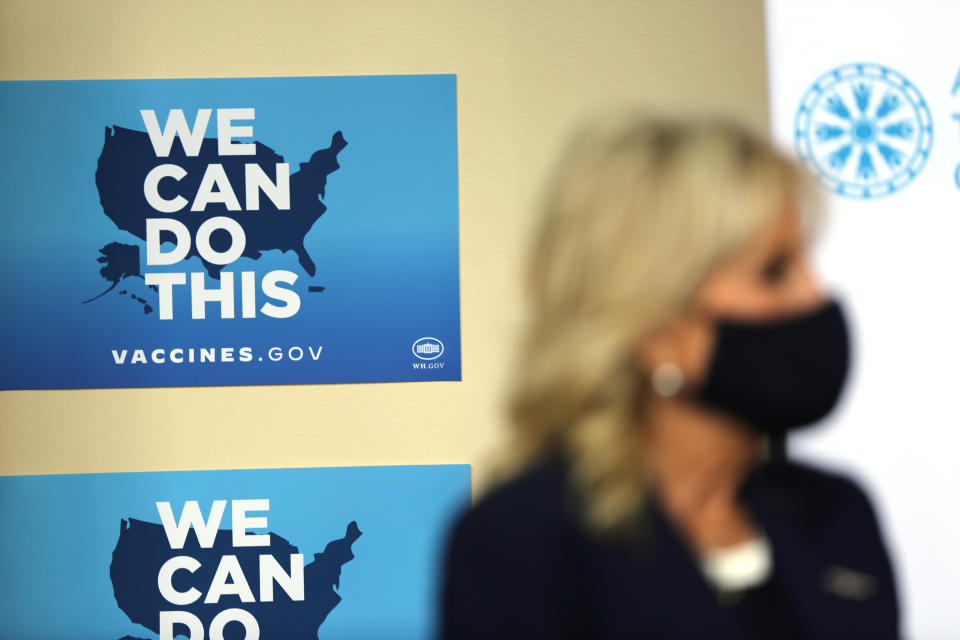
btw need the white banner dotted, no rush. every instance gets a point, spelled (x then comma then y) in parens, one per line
(867, 94)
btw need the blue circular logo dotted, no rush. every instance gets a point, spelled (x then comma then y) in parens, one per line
(865, 130)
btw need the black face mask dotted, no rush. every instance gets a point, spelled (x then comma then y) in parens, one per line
(776, 376)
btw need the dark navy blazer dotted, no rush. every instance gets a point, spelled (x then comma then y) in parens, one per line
(518, 565)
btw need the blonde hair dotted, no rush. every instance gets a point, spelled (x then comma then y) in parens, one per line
(638, 212)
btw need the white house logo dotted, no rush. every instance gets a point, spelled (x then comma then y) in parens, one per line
(864, 129)
(428, 348)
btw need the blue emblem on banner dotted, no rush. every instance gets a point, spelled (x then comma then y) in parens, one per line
(864, 129)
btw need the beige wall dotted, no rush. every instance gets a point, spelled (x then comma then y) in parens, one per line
(526, 70)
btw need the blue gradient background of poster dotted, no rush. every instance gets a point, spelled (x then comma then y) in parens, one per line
(60, 531)
(386, 249)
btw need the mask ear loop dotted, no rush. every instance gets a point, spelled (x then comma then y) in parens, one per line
(776, 447)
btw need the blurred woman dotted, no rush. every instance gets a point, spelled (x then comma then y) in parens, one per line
(678, 332)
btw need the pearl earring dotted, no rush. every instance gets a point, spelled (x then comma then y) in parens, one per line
(667, 379)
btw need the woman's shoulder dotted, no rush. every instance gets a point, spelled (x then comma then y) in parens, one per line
(534, 503)
(830, 509)
(809, 490)
(828, 542)
(513, 561)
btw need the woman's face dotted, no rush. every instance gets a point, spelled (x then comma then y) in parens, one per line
(771, 277)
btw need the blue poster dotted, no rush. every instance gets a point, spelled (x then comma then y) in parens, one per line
(297, 554)
(229, 231)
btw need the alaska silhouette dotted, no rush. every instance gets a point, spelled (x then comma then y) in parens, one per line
(142, 548)
(128, 156)
(119, 261)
